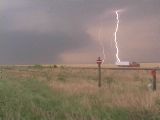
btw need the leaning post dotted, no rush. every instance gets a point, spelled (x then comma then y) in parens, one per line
(99, 62)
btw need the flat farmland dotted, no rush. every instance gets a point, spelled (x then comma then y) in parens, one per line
(71, 92)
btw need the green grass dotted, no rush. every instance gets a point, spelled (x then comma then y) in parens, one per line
(24, 98)
(33, 100)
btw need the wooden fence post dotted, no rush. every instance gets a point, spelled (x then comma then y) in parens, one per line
(154, 83)
(99, 62)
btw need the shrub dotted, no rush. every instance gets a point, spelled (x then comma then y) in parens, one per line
(55, 66)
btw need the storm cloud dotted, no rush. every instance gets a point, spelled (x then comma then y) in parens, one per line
(66, 31)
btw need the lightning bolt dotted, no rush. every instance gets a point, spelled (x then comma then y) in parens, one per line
(101, 43)
(115, 39)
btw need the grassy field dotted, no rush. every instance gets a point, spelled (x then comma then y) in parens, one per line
(69, 93)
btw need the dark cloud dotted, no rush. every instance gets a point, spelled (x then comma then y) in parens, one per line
(42, 31)
(28, 47)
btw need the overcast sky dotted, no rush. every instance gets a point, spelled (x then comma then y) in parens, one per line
(67, 31)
